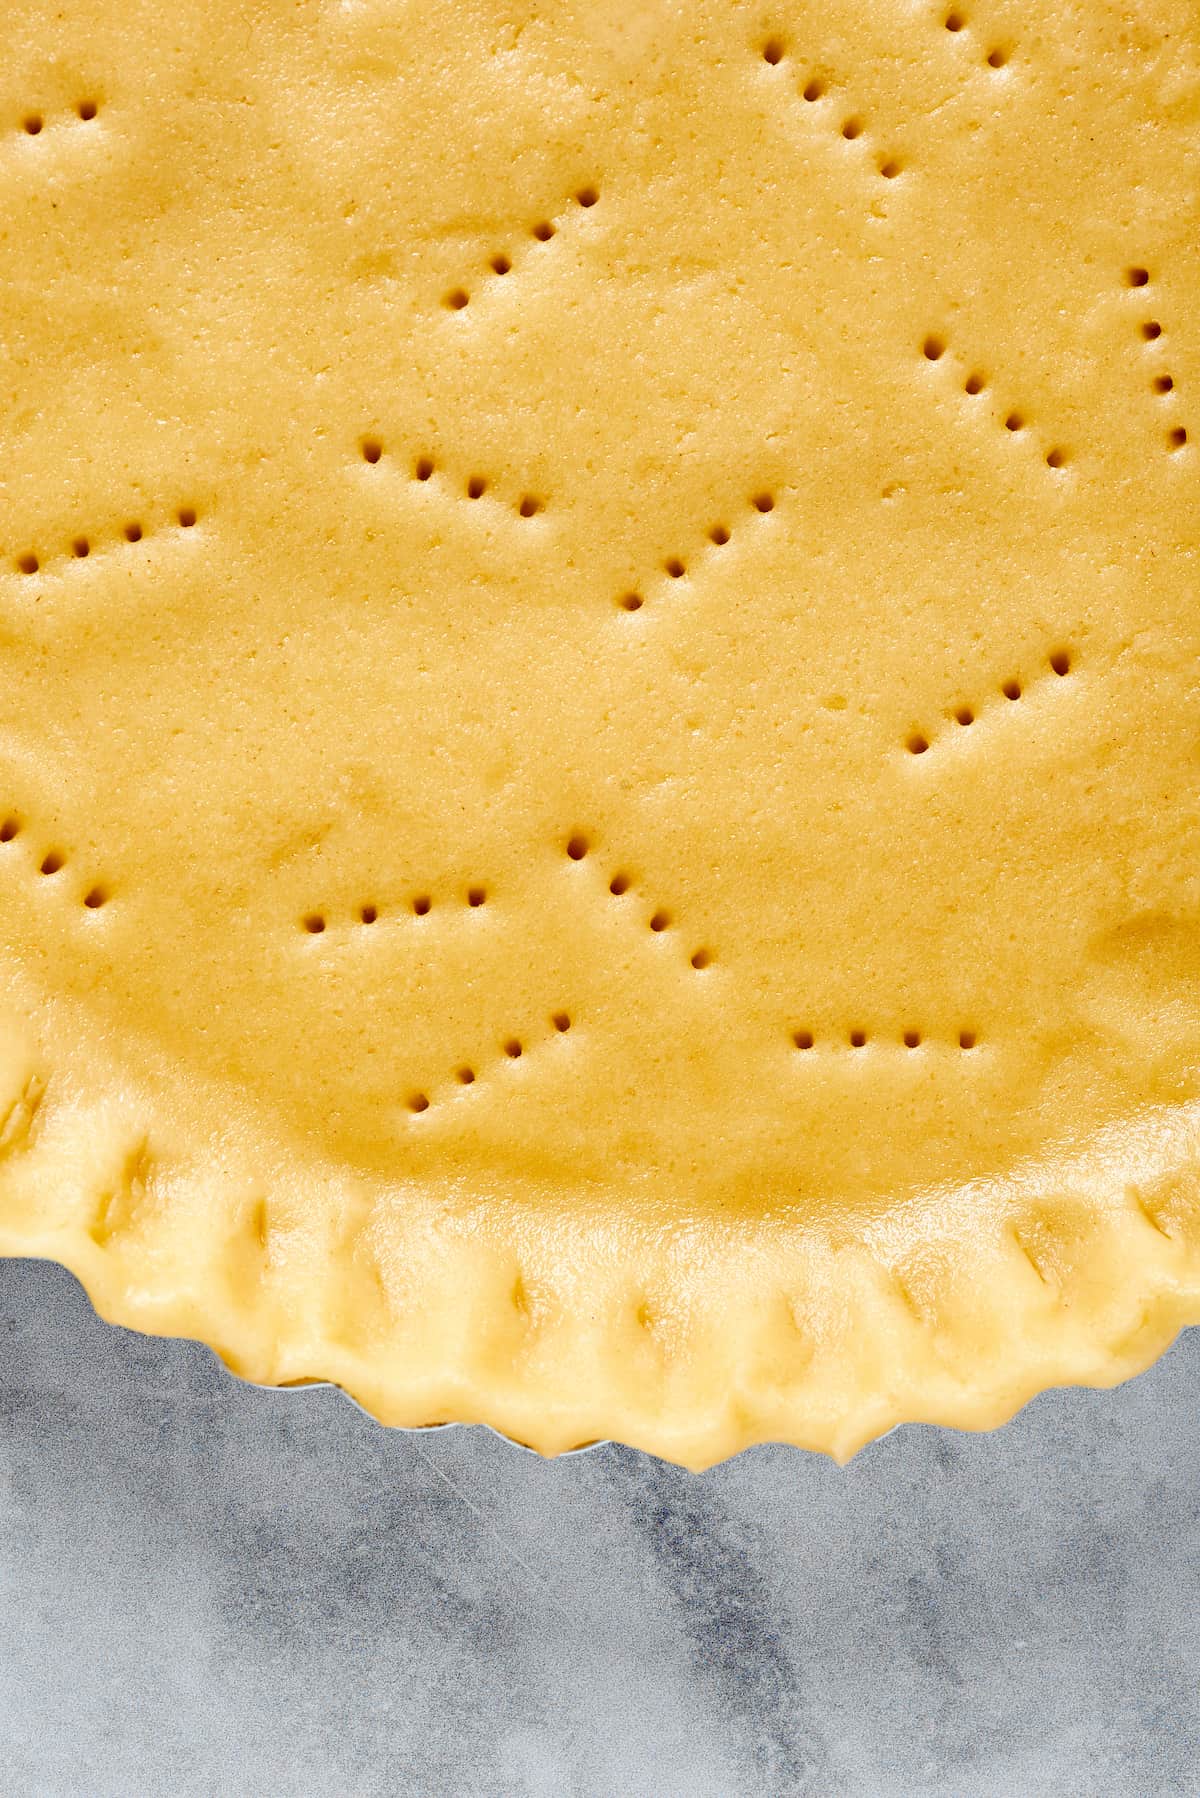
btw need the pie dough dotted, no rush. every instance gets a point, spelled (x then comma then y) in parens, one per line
(599, 767)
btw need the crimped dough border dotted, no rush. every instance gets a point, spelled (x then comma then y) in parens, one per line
(690, 1340)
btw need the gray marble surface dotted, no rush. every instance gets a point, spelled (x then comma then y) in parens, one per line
(206, 1588)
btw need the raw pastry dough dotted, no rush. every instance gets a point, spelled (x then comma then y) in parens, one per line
(597, 743)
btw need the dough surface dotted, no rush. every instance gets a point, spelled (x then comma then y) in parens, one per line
(598, 748)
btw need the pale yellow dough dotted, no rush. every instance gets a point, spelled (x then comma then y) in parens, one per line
(599, 731)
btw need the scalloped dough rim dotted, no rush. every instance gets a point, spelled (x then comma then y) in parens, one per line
(690, 1339)
(703, 1435)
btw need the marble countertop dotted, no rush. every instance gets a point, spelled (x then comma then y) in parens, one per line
(208, 1589)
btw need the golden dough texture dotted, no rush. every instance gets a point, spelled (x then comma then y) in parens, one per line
(599, 767)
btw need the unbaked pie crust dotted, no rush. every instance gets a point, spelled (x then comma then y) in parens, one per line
(599, 767)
